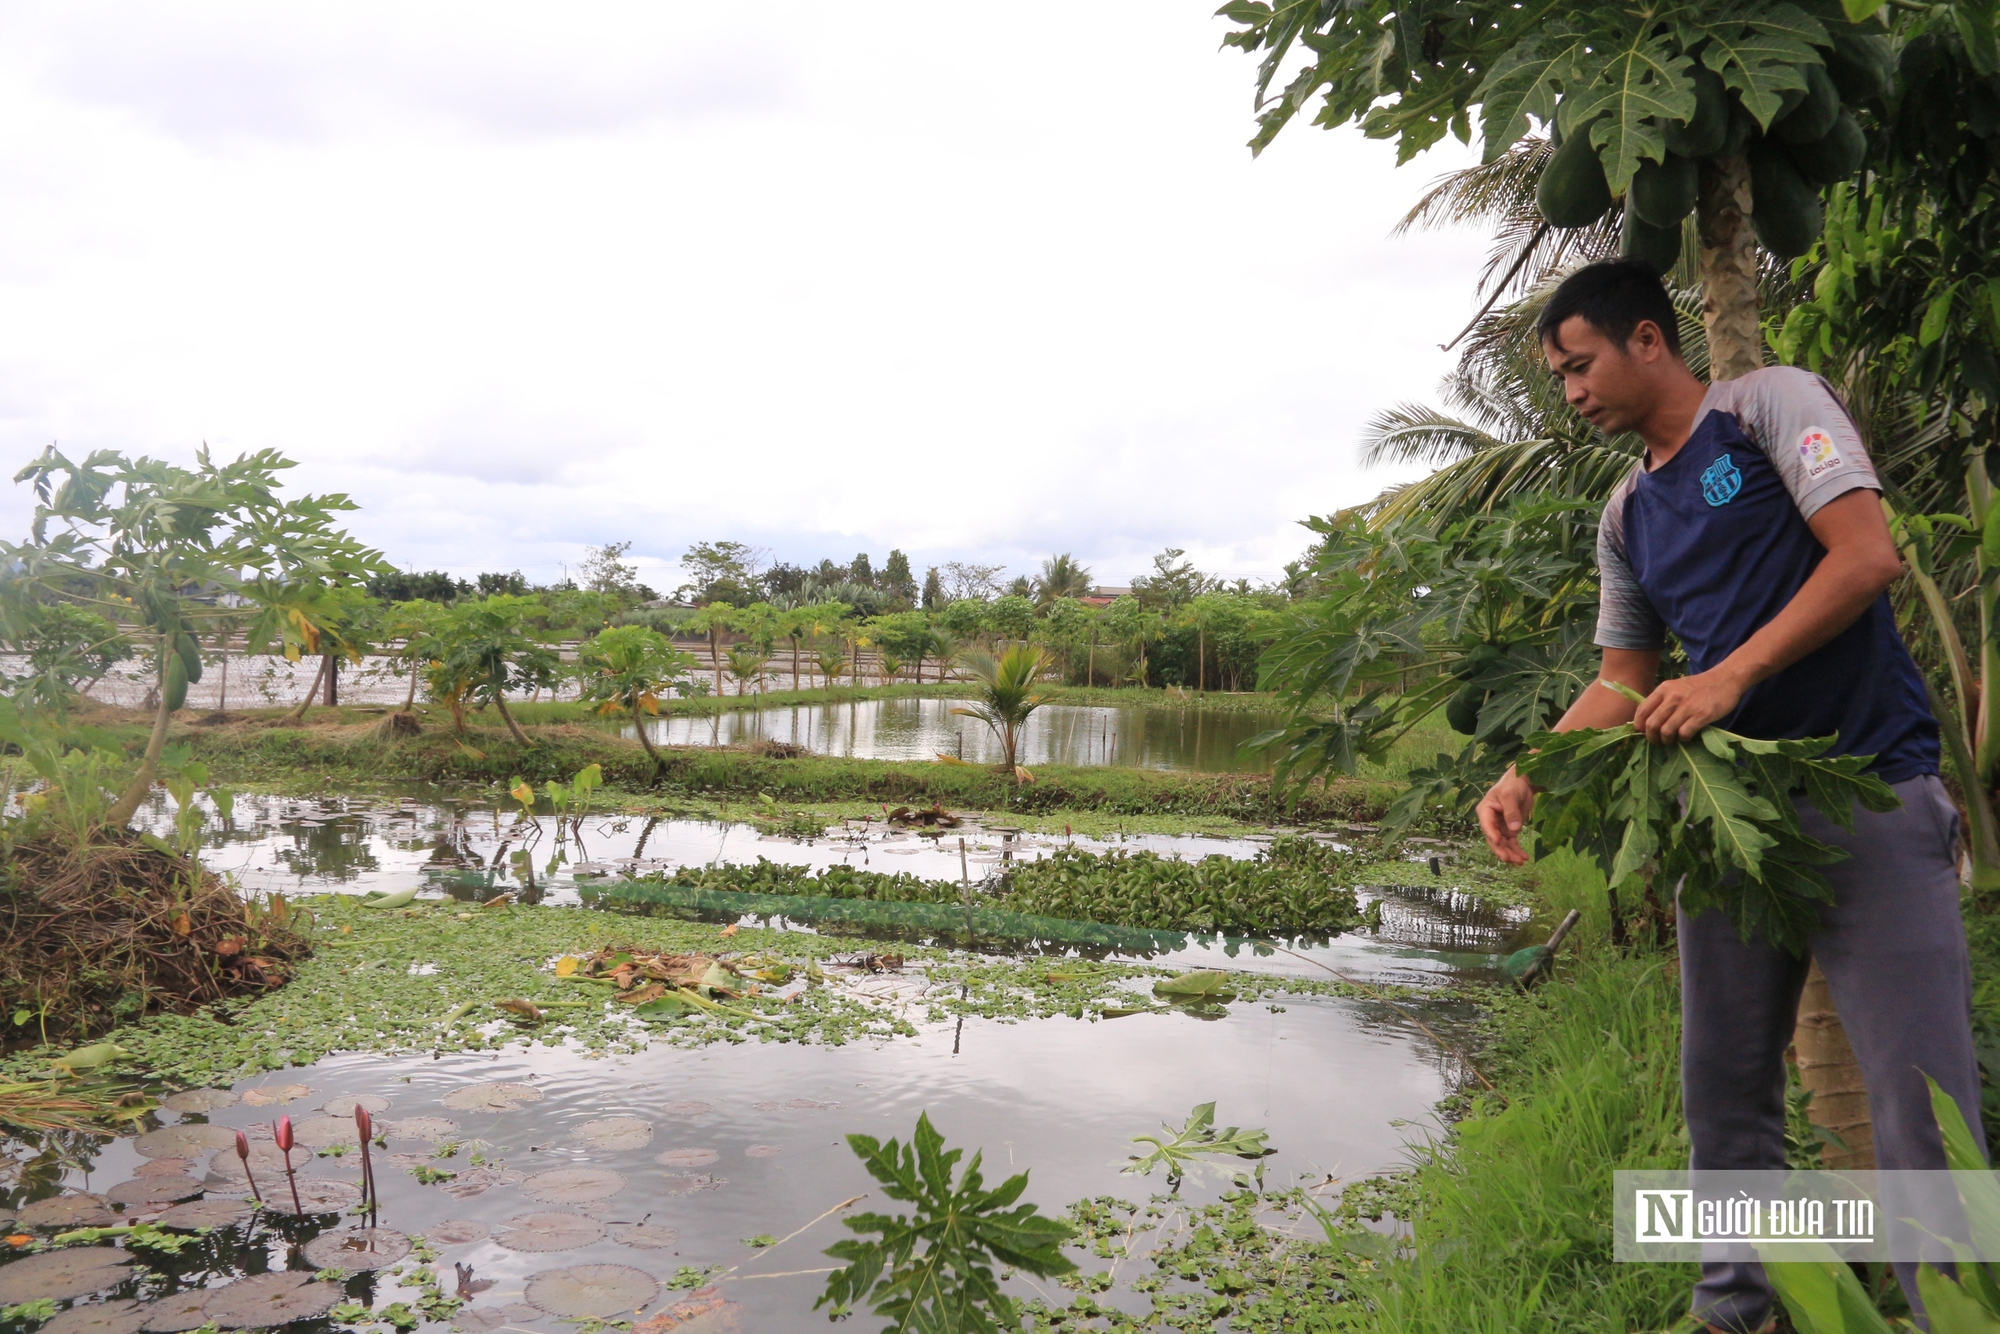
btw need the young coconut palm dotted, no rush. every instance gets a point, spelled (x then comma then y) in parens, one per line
(626, 669)
(1006, 696)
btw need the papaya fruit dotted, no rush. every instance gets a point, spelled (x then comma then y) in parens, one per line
(1663, 193)
(190, 655)
(1461, 711)
(1834, 158)
(1573, 191)
(1659, 247)
(1810, 121)
(1701, 135)
(1861, 65)
(1784, 209)
(173, 682)
(1743, 131)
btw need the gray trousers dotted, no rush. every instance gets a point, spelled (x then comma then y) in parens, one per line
(1892, 946)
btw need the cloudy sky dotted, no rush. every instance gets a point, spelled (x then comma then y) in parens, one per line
(978, 283)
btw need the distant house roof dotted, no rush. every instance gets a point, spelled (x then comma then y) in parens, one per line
(1104, 595)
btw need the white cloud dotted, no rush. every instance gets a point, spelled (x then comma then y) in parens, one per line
(524, 279)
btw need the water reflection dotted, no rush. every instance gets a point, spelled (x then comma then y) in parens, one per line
(921, 729)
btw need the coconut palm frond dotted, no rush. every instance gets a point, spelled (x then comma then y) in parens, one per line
(1483, 481)
(1414, 433)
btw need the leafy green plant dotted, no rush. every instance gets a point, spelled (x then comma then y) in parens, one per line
(627, 669)
(487, 648)
(1196, 1144)
(1006, 696)
(932, 1271)
(1291, 888)
(1716, 814)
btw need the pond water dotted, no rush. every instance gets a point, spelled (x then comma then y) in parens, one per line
(727, 1143)
(554, 1187)
(473, 850)
(922, 729)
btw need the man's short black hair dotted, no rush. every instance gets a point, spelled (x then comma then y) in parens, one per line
(1612, 296)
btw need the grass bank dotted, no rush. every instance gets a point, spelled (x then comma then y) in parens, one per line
(334, 751)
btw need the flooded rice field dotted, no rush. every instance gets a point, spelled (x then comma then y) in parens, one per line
(922, 729)
(536, 1188)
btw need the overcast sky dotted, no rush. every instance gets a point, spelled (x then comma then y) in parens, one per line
(978, 283)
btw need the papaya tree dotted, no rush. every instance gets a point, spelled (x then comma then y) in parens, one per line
(162, 549)
(627, 670)
(490, 647)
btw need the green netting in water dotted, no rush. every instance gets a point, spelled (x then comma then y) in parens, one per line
(942, 918)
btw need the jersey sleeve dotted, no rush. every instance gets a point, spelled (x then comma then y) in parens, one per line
(1625, 619)
(1793, 416)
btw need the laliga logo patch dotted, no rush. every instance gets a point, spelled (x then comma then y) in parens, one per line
(1816, 450)
(1722, 481)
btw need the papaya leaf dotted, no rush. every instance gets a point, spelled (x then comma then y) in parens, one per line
(1524, 82)
(1641, 83)
(1717, 797)
(1759, 65)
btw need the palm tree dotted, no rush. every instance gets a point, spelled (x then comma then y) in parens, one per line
(831, 656)
(627, 669)
(1061, 577)
(746, 663)
(889, 667)
(1006, 696)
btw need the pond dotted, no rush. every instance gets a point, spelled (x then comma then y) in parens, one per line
(537, 1189)
(923, 729)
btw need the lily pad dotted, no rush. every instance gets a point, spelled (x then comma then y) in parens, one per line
(270, 1095)
(686, 1107)
(317, 1195)
(225, 1169)
(264, 1300)
(205, 1213)
(591, 1291)
(457, 1232)
(686, 1157)
(1203, 984)
(612, 1133)
(175, 1312)
(199, 1102)
(323, 1132)
(548, 1232)
(165, 1167)
(685, 1183)
(480, 1180)
(420, 1127)
(76, 1272)
(763, 1151)
(358, 1250)
(153, 1190)
(186, 1140)
(573, 1185)
(495, 1097)
(65, 1211)
(119, 1317)
(645, 1236)
(345, 1106)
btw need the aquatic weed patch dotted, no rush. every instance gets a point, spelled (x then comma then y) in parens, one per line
(1291, 888)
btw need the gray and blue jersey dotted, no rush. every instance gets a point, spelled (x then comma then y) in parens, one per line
(1714, 543)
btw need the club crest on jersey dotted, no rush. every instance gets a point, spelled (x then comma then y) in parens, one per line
(1722, 481)
(1817, 452)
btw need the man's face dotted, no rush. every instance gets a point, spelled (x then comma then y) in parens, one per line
(1611, 385)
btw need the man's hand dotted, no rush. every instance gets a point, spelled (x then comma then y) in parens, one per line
(1503, 814)
(1677, 710)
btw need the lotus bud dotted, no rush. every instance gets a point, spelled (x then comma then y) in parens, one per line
(282, 1133)
(243, 1152)
(364, 1123)
(243, 1146)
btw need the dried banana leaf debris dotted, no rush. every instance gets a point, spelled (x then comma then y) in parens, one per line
(641, 976)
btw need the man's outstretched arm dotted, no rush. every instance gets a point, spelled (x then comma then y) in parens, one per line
(1504, 810)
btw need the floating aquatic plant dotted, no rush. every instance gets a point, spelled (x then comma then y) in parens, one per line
(1197, 1142)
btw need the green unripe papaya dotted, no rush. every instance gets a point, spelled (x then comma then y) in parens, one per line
(1814, 116)
(1462, 710)
(1701, 135)
(1573, 191)
(190, 655)
(1861, 65)
(173, 682)
(1834, 158)
(1784, 209)
(1664, 192)
(1742, 132)
(1659, 247)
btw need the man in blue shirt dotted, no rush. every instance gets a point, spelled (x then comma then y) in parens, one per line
(1753, 531)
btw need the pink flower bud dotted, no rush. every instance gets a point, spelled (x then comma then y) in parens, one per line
(243, 1146)
(364, 1122)
(282, 1133)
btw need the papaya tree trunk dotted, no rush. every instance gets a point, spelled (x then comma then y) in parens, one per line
(311, 691)
(659, 765)
(1827, 1067)
(127, 805)
(410, 700)
(1728, 270)
(500, 703)
(332, 680)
